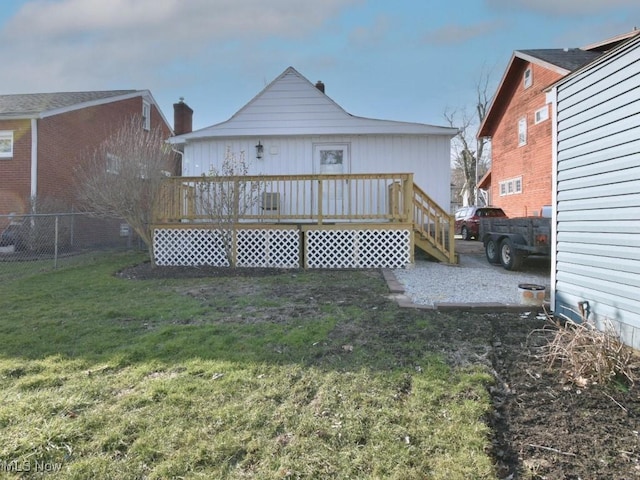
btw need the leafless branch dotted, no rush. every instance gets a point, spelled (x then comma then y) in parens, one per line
(123, 177)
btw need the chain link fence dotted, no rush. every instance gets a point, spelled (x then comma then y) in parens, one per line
(39, 242)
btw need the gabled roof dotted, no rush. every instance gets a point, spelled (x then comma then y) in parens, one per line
(567, 59)
(609, 43)
(41, 105)
(559, 60)
(628, 43)
(292, 105)
(562, 61)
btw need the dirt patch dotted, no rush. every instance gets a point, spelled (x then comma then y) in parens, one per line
(548, 428)
(543, 426)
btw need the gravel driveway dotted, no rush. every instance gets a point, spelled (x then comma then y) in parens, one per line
(472, 281)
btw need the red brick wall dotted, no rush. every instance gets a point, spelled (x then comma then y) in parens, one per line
(532, 161)
(15, 172)
(68, 139)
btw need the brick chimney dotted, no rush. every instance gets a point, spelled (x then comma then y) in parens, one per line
(182, 118)
(320, 86)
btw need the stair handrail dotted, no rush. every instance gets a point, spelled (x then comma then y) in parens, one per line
(433, 223)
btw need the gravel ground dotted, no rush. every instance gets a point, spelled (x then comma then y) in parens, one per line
(473, 280)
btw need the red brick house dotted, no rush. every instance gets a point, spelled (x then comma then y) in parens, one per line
(43, 136)
(519, 124)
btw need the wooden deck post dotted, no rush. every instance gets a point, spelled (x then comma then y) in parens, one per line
(452, 241)
(320, 182)
(407, 200)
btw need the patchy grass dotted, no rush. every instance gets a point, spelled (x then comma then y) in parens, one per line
(298, 375)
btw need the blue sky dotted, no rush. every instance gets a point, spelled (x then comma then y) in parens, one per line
(406, 60)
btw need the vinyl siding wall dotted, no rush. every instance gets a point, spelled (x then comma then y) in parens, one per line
(427, 157)
(598, 194)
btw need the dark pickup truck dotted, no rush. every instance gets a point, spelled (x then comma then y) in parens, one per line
(510, 240)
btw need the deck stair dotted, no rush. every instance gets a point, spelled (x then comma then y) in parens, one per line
(433, 228)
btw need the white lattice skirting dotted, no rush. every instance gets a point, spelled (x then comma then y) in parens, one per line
(271, 248)
(280, 248)
(357, 248)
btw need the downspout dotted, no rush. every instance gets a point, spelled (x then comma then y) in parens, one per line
(34, 158)
(174, 150)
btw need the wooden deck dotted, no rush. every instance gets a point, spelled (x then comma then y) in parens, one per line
(352, 202)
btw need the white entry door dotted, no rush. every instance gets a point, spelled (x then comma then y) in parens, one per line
(332, 159)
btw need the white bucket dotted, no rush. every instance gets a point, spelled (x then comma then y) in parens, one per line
(531, 294)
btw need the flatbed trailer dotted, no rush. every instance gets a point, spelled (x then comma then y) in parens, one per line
(509, 241)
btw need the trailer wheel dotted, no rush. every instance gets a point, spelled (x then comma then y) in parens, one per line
(509, 256)
(491, 251)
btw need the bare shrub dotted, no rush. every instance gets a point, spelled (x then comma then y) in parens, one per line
(587, 355)
(224, 197)
(124, 177)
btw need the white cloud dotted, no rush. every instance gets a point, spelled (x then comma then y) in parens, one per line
(456, 33)
(196, 19)
(576, 8)
(371, 35)
(92, 44)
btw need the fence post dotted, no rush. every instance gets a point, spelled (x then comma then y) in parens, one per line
(72, 228)
(55, 243)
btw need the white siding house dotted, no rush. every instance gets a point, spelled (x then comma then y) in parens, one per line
(296, 124)
(596, 271)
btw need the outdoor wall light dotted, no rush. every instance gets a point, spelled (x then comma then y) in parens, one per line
(259, 150)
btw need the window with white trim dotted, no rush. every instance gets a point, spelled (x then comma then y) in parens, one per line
(522, 131)
(542, 114)
(528, 77)
(6, 144)
(511, 186)
(146, 115)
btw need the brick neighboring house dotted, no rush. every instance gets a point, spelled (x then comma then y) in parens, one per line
(43, 136)
(519, 123)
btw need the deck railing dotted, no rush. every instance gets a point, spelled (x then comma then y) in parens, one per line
(288, 198)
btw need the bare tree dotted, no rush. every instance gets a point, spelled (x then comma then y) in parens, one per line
(470, 155)
(123, 177)
(224, 197)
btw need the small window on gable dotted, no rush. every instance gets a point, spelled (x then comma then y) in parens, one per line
(522, 132)
(528, 78)
(542, 114)
(146, 115)
(6, 144)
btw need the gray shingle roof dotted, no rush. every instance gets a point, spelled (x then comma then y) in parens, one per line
(35, 103)
(570, 59)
